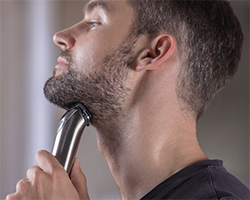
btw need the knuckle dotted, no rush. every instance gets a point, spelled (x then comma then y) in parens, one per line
(40, 153)
(23, 185)
(11, 197)
(37, 175)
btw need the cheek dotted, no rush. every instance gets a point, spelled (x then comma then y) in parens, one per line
(89, 55)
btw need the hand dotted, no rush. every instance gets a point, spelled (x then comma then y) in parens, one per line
(49, 180)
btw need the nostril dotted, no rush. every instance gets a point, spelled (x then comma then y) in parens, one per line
(62, 45)
(64, 40)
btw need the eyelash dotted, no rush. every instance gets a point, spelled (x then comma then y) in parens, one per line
(94, 24)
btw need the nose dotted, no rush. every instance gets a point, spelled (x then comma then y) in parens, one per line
(64, 39)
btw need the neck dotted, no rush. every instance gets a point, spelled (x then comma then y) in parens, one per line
(151, 140)
(148, 150)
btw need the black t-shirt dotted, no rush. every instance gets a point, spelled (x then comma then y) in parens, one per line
(203, 180)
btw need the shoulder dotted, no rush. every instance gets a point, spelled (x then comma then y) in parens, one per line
(226, 185)
(203, 180)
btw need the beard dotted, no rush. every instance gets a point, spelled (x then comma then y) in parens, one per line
(102, 91)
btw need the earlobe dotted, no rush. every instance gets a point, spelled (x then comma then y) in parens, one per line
(161, 51)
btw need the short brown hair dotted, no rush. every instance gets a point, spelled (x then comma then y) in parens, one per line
(209, 39)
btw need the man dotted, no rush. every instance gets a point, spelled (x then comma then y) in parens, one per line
(146, 71)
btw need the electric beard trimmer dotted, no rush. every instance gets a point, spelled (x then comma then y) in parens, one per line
(69, 132)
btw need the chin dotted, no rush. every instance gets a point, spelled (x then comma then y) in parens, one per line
(60, 71)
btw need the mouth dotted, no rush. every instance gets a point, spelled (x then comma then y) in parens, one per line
(62, 61)
(61, 67)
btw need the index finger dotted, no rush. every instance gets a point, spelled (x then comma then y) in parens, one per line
(47, 162)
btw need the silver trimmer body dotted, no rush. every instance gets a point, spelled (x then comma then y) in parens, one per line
(69, 132)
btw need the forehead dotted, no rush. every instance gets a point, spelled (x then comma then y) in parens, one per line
(104, 5)
(109, 6)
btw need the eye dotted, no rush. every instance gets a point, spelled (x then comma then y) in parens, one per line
(94, 24)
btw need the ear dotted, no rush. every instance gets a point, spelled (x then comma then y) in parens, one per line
(161, 51)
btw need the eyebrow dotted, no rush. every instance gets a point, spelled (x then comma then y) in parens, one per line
(97, 4)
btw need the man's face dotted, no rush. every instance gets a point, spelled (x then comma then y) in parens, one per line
(95, 60)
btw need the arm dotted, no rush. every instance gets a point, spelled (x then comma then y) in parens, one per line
(49, 180)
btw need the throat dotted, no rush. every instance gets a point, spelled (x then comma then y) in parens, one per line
(143, 153)
(138, 164)
(111, 140)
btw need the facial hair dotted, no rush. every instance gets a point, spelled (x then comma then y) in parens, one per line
(102, 91)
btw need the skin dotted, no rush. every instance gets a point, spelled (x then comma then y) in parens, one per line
(151, 138)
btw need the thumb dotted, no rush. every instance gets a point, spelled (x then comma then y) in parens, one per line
(79, 180)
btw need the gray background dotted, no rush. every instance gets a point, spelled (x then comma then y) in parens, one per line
(28, 122)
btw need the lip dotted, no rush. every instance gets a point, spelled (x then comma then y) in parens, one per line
(62, 61)
(62, 66)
